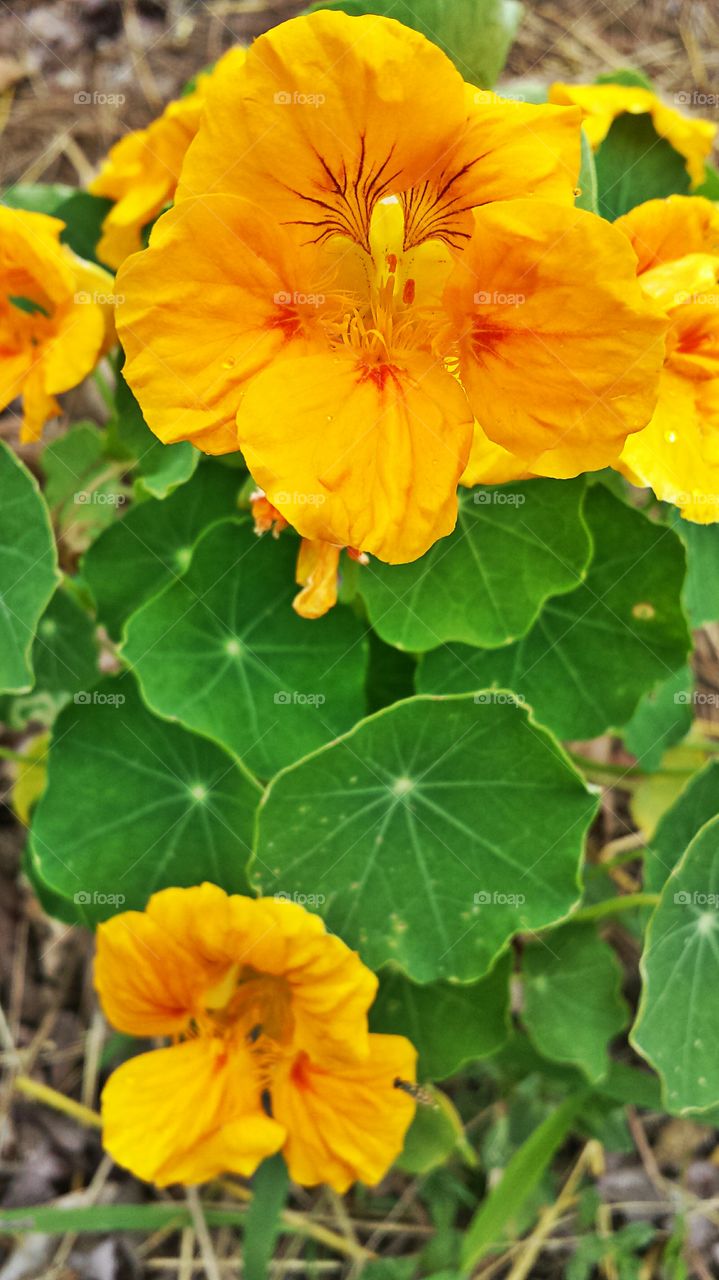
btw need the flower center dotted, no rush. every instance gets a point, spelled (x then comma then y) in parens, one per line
(253, 1007)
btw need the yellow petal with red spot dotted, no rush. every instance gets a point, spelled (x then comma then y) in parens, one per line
(602, 103)
(317, 569)
(330, 114)
(559, 351)
(661, 231)
(358, 453)
(347, 1124)
(205, 307)
(187, 1114)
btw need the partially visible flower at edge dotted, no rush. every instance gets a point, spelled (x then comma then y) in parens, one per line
(141, 171)
(601, 104)
(271, 1051)
(320, 329)
(55, 316)
(677, 245)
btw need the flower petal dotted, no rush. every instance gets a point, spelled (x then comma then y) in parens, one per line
(187, 1114)
(358, 454)
(346, 1124)
(329, 114)
(331, 988)
(665, 230)
(489, 463)
(193, 336)
(317, 570)
(559, 351)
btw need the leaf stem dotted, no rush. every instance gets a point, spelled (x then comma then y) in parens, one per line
(613, 906)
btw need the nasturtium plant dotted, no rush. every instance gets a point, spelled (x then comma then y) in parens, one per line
(592, 653)
(359, 571)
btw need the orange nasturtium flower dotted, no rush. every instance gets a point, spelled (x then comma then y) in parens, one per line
(55, 316)
(140, 172)
(270, 1051)
(677, 243)
(601, 104)
(365, 255)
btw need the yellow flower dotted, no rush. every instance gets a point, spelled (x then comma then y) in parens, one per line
(602, 103)
(268, 1018)
(401, 226)
(677, 244)
(140, 172)
(55, 316)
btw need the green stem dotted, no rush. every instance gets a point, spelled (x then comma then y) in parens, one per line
(7, 754)
(612, 906)
(623, 775)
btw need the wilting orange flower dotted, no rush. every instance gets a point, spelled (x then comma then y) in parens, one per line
(55, 316)
(401, 227)
(270, 1050)
(140, 172)
(602, 103)
(677, 243)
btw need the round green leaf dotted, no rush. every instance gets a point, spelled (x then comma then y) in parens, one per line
(430, 834)
(512, 548)
(592, 654)
(158, 806)
(677, 1028)
(64, 658)
(28, 569)
(635, 164)
(563, 1023)
(223, 651)
(473, 1018)
(153, 544)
